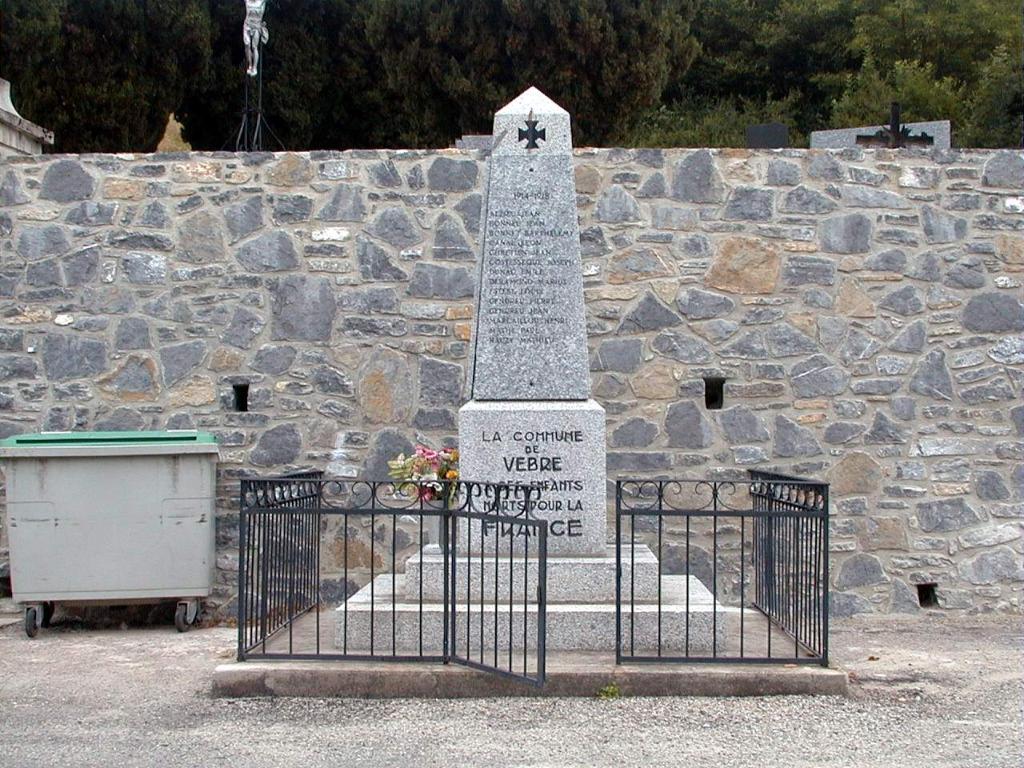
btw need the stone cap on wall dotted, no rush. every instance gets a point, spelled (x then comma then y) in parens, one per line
(9, 117)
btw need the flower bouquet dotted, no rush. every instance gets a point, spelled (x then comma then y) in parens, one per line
(427, 472)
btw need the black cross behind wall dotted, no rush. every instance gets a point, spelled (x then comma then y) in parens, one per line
(896, 135)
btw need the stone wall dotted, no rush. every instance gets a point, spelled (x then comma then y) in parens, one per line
(863, 307)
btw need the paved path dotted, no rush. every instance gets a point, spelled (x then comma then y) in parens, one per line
(930, 691)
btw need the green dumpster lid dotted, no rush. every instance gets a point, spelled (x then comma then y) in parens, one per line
(109, 438)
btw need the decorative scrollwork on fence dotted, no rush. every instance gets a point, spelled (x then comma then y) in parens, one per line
(697, 496)
(313, 489)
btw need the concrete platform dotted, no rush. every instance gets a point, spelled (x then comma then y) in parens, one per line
(570, 626)
(569, 674)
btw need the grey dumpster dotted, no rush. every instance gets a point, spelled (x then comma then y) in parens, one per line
(110, 517)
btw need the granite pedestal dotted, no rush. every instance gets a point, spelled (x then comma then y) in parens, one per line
(557, 446)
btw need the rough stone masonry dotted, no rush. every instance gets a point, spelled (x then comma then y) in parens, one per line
(863, 307)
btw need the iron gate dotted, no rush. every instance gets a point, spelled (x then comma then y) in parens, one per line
(451, 572)
(490, 629)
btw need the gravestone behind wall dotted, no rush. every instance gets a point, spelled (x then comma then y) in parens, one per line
(767, 136)
(840, 138)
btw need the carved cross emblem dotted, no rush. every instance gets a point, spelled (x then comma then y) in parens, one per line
(531, 134)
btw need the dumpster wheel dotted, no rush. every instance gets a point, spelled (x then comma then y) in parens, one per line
(186, 614)
(32, 621)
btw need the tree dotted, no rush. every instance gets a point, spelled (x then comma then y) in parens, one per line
(338, 74)
(211, 109)
(921, 94)
(29, 34)
(718, 123)
(807, 54)
(448, 64)
(997, 105)
(406, 73)
(768, 52)
(103, 75)
(731, 60)
(954, 36)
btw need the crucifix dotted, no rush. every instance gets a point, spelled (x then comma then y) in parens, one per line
(896, 134)
(254, 35)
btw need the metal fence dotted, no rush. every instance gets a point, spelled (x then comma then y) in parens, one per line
(722, 570)
(428, 571)
(279, 557)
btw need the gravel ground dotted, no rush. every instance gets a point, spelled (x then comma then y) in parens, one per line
(929, 691)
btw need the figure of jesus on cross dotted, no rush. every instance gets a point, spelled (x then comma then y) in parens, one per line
(254, 34)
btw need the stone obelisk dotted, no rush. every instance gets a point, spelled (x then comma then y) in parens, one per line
(531, 419)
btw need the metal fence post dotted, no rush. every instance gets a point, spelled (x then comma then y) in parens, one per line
(242, 591)
(542, 602)
(447, 615)
(826, 584)
(618, 572)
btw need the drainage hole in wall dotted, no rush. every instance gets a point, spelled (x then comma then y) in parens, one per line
(714, 392)
(926, 596)
(241, 397)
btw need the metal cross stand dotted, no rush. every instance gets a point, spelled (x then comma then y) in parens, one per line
(250, 132)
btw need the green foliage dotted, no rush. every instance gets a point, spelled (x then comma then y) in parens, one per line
(997, 104)
(953, 36)
(336, 73)
(404, 73)
(609, 692)
(720, 123)
(103, 75)
(211, 108)
(448, 64)
(840, 63)
(731, 63)
(767, 51)
(318, 91)
(29, 32)
(806, 49)
(922, 96)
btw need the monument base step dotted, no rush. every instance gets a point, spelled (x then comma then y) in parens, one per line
(687, 617)
(570, 579)
(568, 674)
